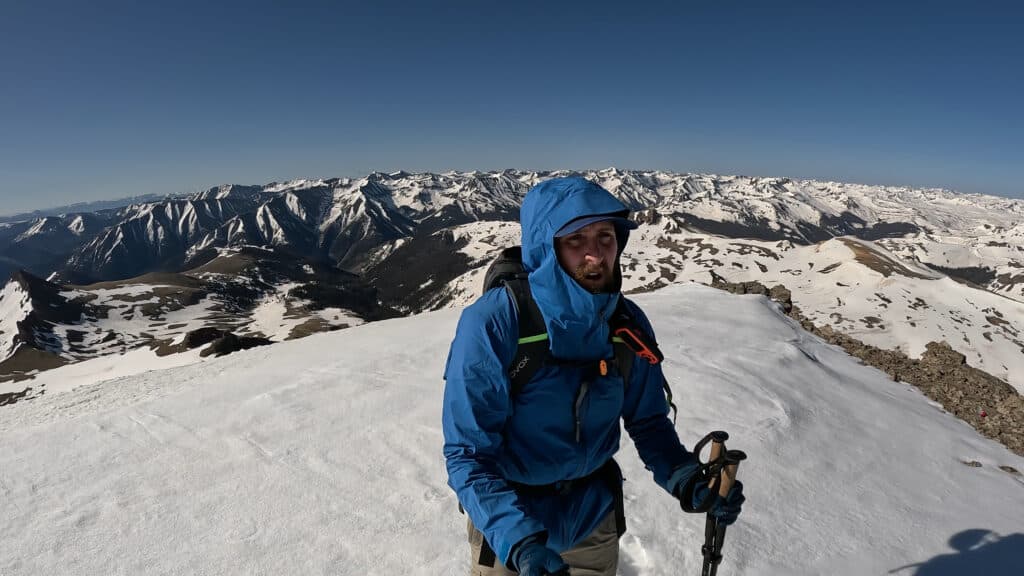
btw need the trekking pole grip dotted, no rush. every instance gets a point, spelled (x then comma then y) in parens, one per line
(728, 476)
(709, 474)
(717, 448)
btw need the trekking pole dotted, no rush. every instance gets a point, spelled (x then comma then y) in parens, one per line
(714, 534)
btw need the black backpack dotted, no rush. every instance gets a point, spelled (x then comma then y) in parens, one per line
(628, 338)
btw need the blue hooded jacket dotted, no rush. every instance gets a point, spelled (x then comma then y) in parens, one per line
(492, 439)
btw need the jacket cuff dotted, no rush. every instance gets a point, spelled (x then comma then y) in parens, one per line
(680, 475)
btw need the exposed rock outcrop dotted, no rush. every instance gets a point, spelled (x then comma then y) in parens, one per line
(221, 342)
(229, 343)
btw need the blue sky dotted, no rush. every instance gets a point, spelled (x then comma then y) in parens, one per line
(106, 99)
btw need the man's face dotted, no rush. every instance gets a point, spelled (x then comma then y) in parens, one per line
(588, 255)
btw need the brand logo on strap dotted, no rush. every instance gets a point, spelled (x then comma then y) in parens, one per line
(522, 364)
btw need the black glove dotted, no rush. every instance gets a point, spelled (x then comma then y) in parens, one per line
(530, 557)
(726, 510)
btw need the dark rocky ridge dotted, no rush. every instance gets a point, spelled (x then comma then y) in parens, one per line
(977, 275)
(846, 224)
(990, 405)
(409, 279)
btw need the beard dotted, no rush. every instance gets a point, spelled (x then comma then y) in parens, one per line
(596, 279)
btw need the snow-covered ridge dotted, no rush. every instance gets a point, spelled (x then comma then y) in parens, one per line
(317, 456)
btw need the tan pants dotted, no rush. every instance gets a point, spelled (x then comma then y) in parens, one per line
(596, 555)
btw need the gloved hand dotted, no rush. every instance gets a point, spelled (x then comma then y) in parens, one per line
(726, 510)
(531, 557)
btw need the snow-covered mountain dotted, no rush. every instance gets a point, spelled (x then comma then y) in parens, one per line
(42, 245)
(153, 237)
(341, 220)
(323, 456)
(337, 220)
(895, 267)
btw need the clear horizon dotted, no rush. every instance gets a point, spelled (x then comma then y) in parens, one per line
(205, 188)
(115, 99)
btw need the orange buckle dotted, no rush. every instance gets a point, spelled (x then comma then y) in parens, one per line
(603, 365)
(637, 345)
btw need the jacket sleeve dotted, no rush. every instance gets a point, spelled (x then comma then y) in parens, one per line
(645, 413)
(476, 406)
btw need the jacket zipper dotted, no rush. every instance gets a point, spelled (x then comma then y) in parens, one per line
(578, 410)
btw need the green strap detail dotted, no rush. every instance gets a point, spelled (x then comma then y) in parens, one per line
(531, 339)
(544, 336)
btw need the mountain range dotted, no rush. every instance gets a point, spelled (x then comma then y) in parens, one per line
(893, 267)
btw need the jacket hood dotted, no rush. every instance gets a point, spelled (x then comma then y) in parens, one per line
(576, 319)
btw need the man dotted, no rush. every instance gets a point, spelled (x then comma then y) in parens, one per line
(532, 468)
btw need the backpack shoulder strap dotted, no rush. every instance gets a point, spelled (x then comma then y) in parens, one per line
(623, 359)
(631, 340)
(533, 348)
